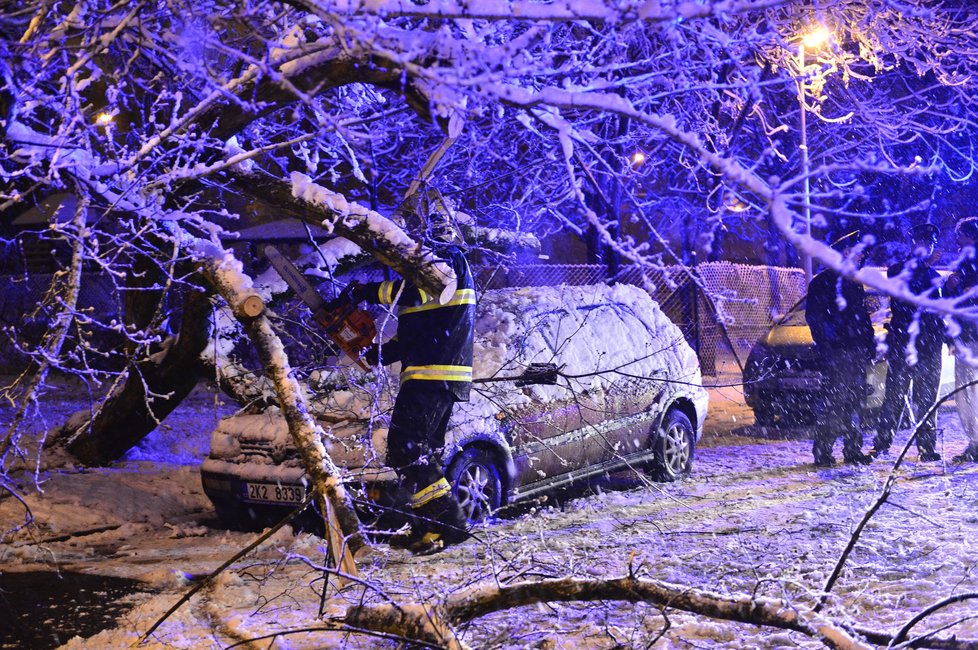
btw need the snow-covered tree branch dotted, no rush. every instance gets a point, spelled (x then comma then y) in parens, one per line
(655, 133)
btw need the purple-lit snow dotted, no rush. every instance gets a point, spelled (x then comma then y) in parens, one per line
(754, 518)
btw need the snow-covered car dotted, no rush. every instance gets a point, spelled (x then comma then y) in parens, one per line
(782, 376)
(628, 394)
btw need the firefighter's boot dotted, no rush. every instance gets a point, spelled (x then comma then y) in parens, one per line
(437, 520)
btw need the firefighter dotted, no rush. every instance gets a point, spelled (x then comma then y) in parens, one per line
(434, 345)
(913, 360)
(843, 333)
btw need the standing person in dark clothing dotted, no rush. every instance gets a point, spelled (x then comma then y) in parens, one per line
(964, 280)
(843, 334)
(434, 345)
(913, 360)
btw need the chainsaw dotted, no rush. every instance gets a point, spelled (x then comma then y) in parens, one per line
(352, 329)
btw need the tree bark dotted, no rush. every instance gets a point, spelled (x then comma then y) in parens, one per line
(413, 622)
(414, 265)
(485, 599)
(434, 623)
(341, 522)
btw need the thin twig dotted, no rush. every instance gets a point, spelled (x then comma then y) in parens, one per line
(237, 556)
(928, 611)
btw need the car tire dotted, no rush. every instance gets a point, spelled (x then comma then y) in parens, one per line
(673, 447)
(477, 483)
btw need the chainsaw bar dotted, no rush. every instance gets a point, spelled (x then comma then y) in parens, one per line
(296, 281)
(350, 328)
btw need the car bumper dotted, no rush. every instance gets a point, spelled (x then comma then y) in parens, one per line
(797, 387)
(243, 491)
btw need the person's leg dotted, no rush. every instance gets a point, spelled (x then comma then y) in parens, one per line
(894, 399)
(404, 442)
(967, 402)
(851, 382)
(829, 423)
(415, 443)
(926, 382)
(822, 447)
(439, 505)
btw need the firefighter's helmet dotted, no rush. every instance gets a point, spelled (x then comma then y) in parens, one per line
(432, 216)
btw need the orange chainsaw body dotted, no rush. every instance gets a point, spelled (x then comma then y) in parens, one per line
(352, 329)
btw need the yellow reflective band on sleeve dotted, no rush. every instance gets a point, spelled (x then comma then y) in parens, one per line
(434, 491)
(437, 373)
(423, 296)
(385, 292)
(461, 297)
(430, 538)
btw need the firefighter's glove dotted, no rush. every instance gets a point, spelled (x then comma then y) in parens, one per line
(345, 300)
(337, 306)
(352, 293)
(372, 355)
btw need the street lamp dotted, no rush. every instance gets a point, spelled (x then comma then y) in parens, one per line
(814, 39)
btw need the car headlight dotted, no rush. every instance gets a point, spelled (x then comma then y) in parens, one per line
(224, 445)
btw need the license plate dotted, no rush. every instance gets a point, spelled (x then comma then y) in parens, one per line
(800, 383)
(273, 493)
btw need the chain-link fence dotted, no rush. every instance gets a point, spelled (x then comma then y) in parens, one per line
(722, 308)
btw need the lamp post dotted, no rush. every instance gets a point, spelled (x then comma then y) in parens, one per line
(818, 36)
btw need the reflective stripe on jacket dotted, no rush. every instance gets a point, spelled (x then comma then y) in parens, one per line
(434, 340)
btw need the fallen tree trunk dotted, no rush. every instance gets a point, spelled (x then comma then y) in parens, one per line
(434, 623)
(349, 220)
(342, 525)
(481, 600)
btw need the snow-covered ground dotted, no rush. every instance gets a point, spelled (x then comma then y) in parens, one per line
(755, 518)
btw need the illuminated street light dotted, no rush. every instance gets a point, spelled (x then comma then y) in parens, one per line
(637, 158)
(816, 38)
(103, 119)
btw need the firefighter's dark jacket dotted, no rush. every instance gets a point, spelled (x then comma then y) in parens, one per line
(964, 279)
(836, 329)
(434, 341)
(921, 280)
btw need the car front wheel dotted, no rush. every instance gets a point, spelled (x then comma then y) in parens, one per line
(673, 446)
(477, 483)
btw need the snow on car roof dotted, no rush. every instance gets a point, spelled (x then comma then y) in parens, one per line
(596, 333)
(612, 339)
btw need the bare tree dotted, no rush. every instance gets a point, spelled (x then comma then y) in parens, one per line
(164, 120)
(159, 122)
